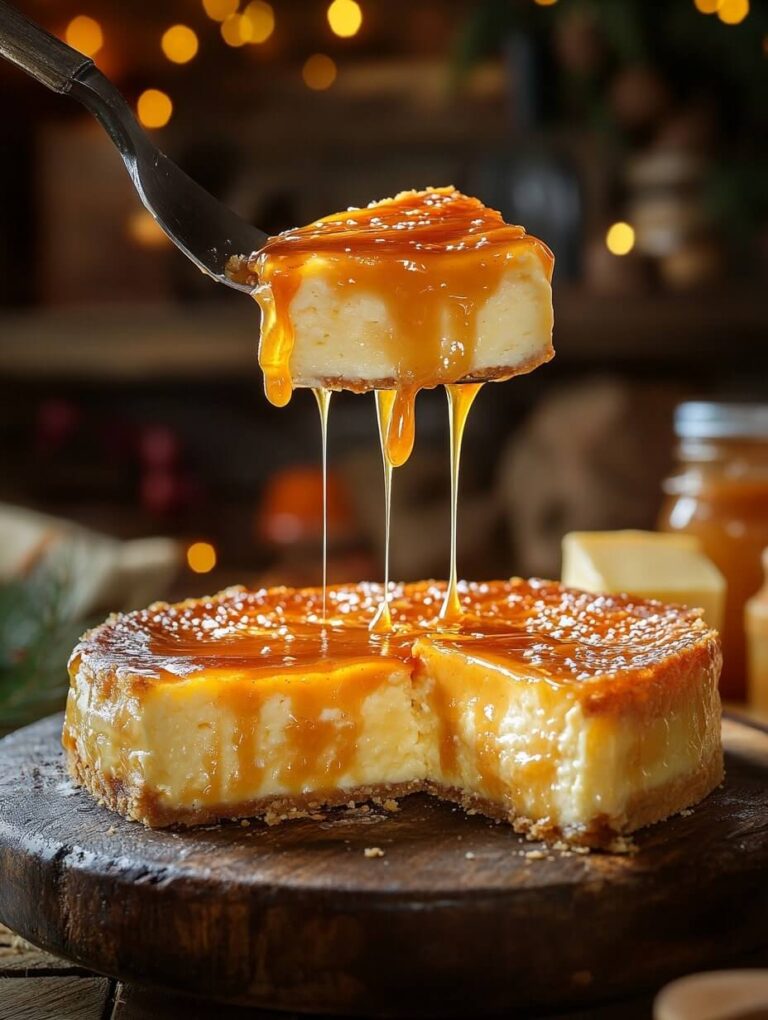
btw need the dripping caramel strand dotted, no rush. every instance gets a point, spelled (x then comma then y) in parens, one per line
(323, 398)
(460, 400)
(385, 404)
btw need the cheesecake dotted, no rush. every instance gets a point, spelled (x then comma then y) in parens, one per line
(569, 715)
(425, 289)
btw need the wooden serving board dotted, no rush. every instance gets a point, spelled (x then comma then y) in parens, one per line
(453, 919)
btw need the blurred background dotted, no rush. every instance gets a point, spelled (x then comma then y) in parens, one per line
(630, 136)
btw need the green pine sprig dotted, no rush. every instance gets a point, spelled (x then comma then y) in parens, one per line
(36, 638)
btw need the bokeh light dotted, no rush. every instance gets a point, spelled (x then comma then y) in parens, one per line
(545, 3)
(143, 230)
(179, 43)
(220, 10)
(732, 12)
(236, 30)
(261, 20)
(319, 72)
(201, 557)
(345, 18)
(620, 239)
(154, 108)
(706, 6)
(85, 35)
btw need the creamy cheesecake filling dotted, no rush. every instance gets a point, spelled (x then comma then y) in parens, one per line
(219, 708)
(427, 288)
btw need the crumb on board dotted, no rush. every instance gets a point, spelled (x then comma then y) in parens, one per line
(111, 830)
(373, 851)
(622, 845)
(535, 855)
(245, 822)
(391, 805)
(469, 855)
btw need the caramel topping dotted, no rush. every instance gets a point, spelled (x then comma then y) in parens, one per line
(432, 258)
(460, 400)
(534, 628)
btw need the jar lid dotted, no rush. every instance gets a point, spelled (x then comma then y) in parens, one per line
(708, 420)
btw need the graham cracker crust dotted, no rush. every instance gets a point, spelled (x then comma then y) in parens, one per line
(602, 832)
(496, 373)
(645, 808)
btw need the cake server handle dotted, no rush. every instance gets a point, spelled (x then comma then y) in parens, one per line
(37, 52)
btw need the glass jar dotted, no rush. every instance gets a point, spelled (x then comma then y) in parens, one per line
(719, 492)
(756, 623)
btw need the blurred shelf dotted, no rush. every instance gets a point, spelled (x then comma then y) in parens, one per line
(218, 341)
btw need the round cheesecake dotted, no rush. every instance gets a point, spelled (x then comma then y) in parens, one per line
(570, 715)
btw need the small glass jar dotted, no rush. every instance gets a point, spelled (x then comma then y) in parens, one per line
(756, 623)
(719, 492)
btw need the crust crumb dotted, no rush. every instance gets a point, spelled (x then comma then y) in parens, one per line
(373, 851)
(622, 845)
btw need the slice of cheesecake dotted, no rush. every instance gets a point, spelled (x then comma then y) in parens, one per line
(564, 713)
(426, 288)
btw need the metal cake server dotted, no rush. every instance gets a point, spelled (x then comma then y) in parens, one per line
(198, 224)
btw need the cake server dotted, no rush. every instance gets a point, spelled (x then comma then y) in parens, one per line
(198, 224)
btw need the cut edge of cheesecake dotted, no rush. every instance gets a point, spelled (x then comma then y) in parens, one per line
(644, 809)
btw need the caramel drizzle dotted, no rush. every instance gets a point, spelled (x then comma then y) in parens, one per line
(385, 403)
(323, 398)
(460, 400)
(431, 258)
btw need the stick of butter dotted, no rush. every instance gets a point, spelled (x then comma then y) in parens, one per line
(649, 564)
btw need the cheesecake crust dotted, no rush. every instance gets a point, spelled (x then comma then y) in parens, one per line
(145, 806)
(497, 373)
(644, 809)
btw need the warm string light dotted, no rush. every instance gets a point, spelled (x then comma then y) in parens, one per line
(179, 43)
(85, 35)
(154, 108)
(545, 3)
(144, 231)
(319, 72)
(220, 10)
(201, 557)
(730, 12)
(345, 18)
(236, 30)
(620, 239)
(261, 20)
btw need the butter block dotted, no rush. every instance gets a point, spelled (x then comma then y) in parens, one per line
(649, 564)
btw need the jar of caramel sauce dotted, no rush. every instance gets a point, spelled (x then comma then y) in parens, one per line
(719, 492)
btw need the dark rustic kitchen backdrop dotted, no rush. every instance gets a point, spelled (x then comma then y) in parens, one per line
(631, 136)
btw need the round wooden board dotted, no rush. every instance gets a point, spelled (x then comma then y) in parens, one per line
(453, 919)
